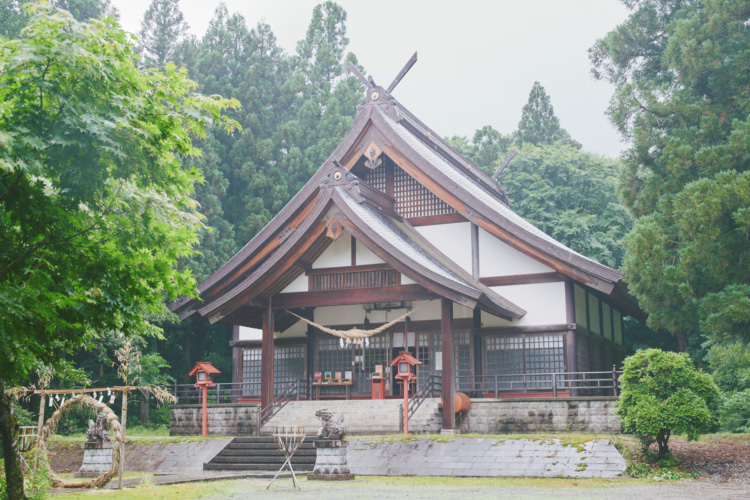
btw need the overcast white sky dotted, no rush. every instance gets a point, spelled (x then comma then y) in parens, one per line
(477, 58)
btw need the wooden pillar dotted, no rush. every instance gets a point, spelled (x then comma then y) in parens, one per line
(310, 356)
(571, 352)
(446, 327)
(478, 358)
(266, 358)
(123, 425)
(236, 363)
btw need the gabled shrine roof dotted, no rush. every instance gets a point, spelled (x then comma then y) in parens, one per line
(276, 255)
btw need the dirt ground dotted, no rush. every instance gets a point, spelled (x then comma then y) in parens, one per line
(717, 458)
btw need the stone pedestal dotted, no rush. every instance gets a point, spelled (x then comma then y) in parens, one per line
(97, 459)
(330, 461)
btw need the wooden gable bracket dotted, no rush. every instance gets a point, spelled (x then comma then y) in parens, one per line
(373, 152)
(334, 229)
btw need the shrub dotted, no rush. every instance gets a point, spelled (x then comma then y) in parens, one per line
(664, 394)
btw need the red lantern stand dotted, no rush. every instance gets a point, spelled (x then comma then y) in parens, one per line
(203, 372)
(406, 372)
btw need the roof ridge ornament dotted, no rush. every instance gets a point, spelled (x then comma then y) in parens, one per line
(371, 85)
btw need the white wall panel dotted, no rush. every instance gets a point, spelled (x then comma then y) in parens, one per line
(499, 259)
(338, 254)
(300, 284)
(365, 256)
(250, 333)
(544, 303)
(454, 240)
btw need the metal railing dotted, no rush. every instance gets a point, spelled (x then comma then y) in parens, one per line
(293, 391)
(433, 385)
(603, 383)
(221, 393)
(430, 387)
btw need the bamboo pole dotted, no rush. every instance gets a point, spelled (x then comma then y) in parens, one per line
(83, 391)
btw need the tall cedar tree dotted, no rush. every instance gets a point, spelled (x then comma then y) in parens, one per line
(538, 124)
(95, 206)
(13, 18)
(682, 98)
(296, 108)
(162, 29)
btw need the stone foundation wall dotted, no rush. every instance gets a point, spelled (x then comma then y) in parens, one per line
(520, 416)
(223, 420)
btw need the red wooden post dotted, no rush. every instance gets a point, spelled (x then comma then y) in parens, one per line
(205, 410)
(406, 407)
(446, 318)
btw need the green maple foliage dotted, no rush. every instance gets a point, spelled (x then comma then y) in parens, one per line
(683, 98)
(95, 206)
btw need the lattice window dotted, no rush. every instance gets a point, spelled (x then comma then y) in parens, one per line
(462, 357)
(545, 354)
(517, 358)
(374, 354)
(350, 280)
(250, 372)
(333, 358)
(429, 346)
(376, 178)
(288, 365)
(415, 200)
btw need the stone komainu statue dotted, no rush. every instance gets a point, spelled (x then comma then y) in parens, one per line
(98, 431)
(330, 427)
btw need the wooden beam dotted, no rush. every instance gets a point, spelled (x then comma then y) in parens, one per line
(513, 330)
(434, 220)
(348, 269)
(446, 327)
(571, 342)
(402, 73)
(351, 296)
(505, 164)
(522, 279)
(475, 251)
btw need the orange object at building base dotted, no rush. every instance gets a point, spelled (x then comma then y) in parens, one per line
(378, 388)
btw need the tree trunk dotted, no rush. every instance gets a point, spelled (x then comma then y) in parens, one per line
(143, 409)
(681, 340)
(662, 439)
(9, 429)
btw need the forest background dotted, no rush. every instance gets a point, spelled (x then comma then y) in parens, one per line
(296, 107)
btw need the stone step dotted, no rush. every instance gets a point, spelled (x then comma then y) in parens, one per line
(272, 467)
(302, 452)
(262, 460)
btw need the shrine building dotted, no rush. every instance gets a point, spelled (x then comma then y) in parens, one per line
(397, 221)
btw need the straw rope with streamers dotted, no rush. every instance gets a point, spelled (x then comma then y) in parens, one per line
(357, 333)
(115, 432)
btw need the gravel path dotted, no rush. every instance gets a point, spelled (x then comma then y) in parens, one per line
(353, 491)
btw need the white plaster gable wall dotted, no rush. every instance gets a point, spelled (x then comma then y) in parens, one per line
(365, 257)
(454, 240)
(300, 284)
(250, 333)
(499, 259)
(338, 254)
(544, 303)
(355, 314)
(299, 329)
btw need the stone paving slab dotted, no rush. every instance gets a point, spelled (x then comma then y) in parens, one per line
(485, 457)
